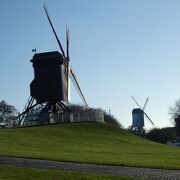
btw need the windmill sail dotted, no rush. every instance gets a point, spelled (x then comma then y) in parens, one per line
(59, 43)
(68, 59)
(77, 86)
(135, 101)
(145, 104)
(69, 70)
(148, 118)
(67, 41)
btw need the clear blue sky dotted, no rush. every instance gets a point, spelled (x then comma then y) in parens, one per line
(118, 48)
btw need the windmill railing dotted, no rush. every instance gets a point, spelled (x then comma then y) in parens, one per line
(78, 116)
(88, 116)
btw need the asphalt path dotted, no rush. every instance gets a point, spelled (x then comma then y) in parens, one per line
(160, 174)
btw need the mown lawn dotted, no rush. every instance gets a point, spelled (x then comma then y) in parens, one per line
(87, 142)
(19, 173)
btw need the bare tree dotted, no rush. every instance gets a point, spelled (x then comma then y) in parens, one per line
(7, 113)
(174, 111)
(175, 115)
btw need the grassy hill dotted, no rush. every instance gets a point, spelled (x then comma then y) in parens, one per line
(22, 173)
(87, 142)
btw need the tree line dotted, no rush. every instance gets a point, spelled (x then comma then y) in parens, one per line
(168, 134)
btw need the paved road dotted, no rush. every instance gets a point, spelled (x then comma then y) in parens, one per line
(159, 174)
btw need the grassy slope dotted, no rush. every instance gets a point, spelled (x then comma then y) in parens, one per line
(87, 142)
(11, 172)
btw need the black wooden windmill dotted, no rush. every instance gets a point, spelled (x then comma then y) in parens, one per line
(50, 86)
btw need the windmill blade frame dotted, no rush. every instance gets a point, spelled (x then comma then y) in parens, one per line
(77, 86)
(70, 71)
(135, 101)
(145, 104)
(59, 43)
(148, 118)
(67, 41)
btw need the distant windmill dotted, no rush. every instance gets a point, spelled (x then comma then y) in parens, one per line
(50, 86)
(138, 117)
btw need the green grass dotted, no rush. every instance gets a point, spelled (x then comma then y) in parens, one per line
(12, 172)
(87, 142)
